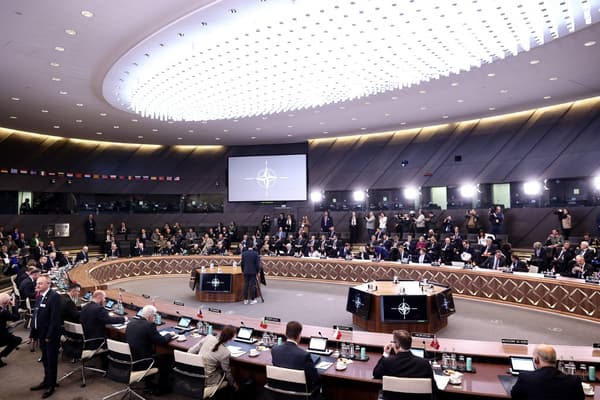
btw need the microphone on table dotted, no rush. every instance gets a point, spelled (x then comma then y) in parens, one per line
(320, 334)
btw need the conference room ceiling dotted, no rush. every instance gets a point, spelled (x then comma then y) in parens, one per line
(55, 57)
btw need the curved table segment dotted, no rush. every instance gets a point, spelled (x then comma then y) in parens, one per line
(565, 296)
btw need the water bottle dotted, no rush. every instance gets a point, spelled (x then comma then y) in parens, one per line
(210, 330)
(158, 319)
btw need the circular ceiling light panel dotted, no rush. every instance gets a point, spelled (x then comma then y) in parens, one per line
(236, 59)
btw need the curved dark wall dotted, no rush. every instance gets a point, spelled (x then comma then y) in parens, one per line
(556, 142)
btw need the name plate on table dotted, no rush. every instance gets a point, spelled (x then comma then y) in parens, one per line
(272, 319)
(550, 275)
(423, 335)
(521, 342)
(210, 282)
(343, 328)
(214, 310)
(592, 280)
(596, 346)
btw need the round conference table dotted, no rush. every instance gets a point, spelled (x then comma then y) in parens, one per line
(560, 295)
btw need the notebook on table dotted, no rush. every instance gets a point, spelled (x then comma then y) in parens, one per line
(318, 345)
(244, 335)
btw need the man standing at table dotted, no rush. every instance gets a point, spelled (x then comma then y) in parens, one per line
(47, 322)
(546, 382)
(289, 355)
(397, 360)
(250, 267)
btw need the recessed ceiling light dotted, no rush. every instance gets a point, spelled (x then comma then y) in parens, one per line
(134, 120)
(15, 98)
(547, 97)
(321, 123)
(170, 122)
(503, 91)
(264, 117)
(56, 126)
(56, 79)
(98, 133)
(71, 32)
(179, 138)
(63, 92)
(116, 126)
(342, 108)
(554, 78)
(217, 138)
(363, 129)
(204, 122)
(402, 123)
(367, 103)
(290, 126)
(253, 137)
(190, 131)
(225, 130)
(13, 117)
(317, 111)
(533, 62)
(454, 84)
(422, 91)
(236, 120)
(87, 14)
(394, 97)
(491, 74)
(590, 43)
(103, 114)
(258, 129)
(353, 118)
(79, 104)
(289, 135)
(59, 48)
(154, 130)
(460, 101)
(140, 137)
(423, 108)
(291, 115)
(325, 132)
(44, 111)
(491, 108)
(54, 64)
(444, 116)
(386, 114)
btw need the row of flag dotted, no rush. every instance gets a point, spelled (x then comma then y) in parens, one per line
(82, 175)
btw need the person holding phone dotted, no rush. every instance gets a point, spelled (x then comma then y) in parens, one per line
(8, 312)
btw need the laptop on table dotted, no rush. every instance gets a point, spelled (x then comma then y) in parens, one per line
(184, 324)
(318, 345)
(109, 304)
(244, 335)
(520, 364)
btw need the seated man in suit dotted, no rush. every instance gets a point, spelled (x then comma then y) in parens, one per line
(517, 265)
(581, 268)
(82, 256)
(289, 355)
(546, 382)
(422, 257)
(496, 262)
(397, 360)
(141, 335)
(69, 304)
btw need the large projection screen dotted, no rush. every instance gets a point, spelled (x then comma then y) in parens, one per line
(267, 178)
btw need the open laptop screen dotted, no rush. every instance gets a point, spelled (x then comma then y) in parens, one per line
(109, 304)
(521, 364)
(317, 343)
(418, 352)
(245, 333)
(184, 322)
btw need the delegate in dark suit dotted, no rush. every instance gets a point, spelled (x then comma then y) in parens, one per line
(547, 383)
(94, 318)
(141, 335)
(250, 267)
(69, 309)
(47, 321)
(289, 355)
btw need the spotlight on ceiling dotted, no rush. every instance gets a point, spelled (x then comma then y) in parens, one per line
(411, 193)
(532, 188)
(358, 195)
(467, 190)
(316, 196)
(596, 182)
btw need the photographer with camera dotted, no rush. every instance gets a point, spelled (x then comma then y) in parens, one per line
(565, 222)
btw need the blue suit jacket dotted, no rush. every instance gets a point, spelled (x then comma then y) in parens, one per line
(547, 383)
(289, 355)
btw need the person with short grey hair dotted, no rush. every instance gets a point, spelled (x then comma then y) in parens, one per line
(546, 382)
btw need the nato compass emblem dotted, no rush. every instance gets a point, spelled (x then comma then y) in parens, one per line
(357, 303)
(215, 282)
(445, 304)
(404, 308)
(266, 178)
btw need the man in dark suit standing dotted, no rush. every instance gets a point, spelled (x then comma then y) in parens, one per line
(90, 229)
(289, 355)
(27, 286)
(397, 360)
(47, 321)
(141, 335)
(546, 382)
(250, 267)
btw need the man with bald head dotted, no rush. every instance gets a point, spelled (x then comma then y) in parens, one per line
(546, 382)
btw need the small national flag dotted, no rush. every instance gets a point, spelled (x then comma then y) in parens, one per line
(434, 343)
(199, 313)
(263, 323)
(337, 334)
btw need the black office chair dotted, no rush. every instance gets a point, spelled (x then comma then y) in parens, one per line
(86, 349)
(395, 388)
(121, 368)
(288, 384)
